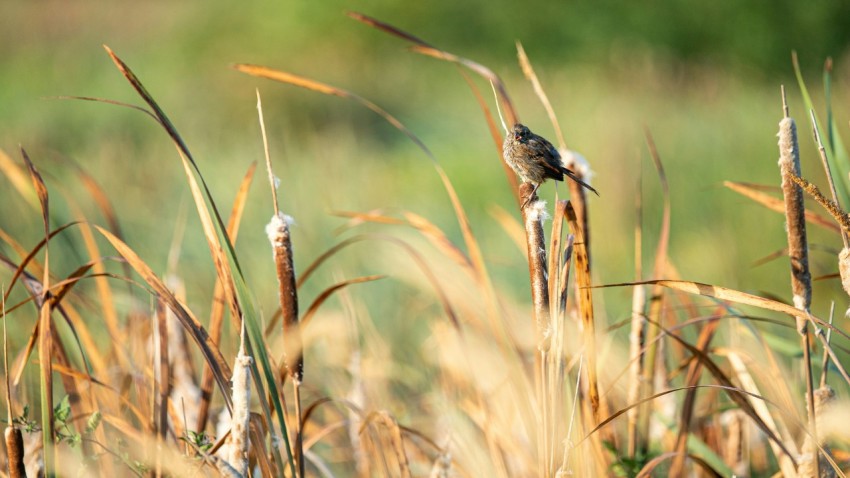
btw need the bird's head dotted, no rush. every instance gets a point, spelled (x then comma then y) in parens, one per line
(520, 132)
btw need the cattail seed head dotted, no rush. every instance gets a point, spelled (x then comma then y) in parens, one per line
(239, 443)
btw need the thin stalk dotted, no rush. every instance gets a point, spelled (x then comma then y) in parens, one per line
(637, 327)
(825, 362)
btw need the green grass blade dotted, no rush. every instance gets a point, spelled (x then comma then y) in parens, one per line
(837, 158)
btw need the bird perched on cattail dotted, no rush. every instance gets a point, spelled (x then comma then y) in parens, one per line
(534, 159)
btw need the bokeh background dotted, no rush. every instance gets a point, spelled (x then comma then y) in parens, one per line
(703, 77)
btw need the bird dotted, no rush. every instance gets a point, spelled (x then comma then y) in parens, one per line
(535, 160)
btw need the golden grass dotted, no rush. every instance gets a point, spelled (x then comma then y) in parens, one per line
(495, 388)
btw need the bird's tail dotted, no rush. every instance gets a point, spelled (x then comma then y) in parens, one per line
(575, 178)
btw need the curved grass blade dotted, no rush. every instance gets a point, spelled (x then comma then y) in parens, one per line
(45, 328)
(774, 204)
(646, 471)
(735, 391)
(227, 265)
(414, 254)
(325, 294)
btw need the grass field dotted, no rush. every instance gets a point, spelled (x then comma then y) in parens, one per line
(430, 346)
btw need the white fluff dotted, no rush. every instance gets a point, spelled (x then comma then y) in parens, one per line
(536, 211)
(576, 162)
(278, 228)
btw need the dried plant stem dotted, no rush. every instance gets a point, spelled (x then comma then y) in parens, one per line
(826, 169)
(825, 363)
(801, 286)
(585, 301)
(272, 181)
(161, 368)
(834, 210)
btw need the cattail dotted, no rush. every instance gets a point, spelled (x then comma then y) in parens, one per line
(801, 280)
(789, 164)
(239, 444)
(824, 397)
(533, 216)
(278, 232)
(844, 269)
(15, 452)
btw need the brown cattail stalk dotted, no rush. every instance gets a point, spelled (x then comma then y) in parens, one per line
(278, 232)
(15, 452)
(533, 215)
(279, 236)
(801, 281)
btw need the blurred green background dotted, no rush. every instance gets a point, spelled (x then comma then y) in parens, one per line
(703, 77)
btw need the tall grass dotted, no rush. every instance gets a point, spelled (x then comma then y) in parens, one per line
(544, 388)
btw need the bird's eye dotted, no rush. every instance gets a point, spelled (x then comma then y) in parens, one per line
(517, 136)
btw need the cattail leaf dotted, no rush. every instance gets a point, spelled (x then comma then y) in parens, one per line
(414, 254)
(731, 295)
(325, 295)
(752, 191)
(19, 179)
(219, 306)
(45, 329)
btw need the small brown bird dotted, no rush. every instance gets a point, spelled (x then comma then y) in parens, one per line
(534, 159)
